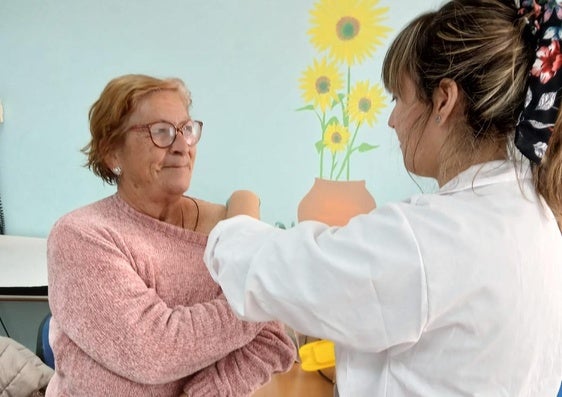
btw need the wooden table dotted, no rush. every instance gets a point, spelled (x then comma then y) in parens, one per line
(298, 383)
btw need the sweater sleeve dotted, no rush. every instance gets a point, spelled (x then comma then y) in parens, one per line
(100, 302)
(246, 369)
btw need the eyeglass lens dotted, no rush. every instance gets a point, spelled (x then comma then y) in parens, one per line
(163, 134)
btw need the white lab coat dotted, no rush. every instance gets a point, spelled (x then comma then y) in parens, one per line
(457, 293)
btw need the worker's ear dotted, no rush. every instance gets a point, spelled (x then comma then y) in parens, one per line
(445, 99)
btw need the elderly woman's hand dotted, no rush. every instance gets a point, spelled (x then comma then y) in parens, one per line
(243, 202)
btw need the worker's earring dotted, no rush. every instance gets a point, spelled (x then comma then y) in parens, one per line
(438, 119)
(116, 171)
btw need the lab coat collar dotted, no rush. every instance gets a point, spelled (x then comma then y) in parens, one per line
(488, 173)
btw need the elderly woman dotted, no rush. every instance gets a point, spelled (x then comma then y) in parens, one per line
(135, 312)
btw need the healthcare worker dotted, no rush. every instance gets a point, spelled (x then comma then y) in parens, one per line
(455, 293)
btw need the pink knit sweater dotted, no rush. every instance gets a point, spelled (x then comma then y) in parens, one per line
(135, 313)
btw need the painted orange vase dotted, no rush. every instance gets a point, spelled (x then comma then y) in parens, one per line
(335, 202)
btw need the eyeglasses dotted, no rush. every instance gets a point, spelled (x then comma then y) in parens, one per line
(163, 133)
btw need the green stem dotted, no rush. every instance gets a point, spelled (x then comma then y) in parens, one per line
(322, 128)
(333, 166)
(349, 146)
(345, 118)
(347, 158)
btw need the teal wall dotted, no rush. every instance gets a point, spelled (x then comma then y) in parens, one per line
(242, 60)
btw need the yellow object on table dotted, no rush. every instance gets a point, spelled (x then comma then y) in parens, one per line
(317, 355)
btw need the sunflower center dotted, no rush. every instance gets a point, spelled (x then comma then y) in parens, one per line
(347, 28)
(365, 105)
(336, 137)
(323, 85)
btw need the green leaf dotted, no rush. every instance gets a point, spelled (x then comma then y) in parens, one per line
(307, 107)
(365, 147)
(319, 146)
(332, 120)
(338, 101)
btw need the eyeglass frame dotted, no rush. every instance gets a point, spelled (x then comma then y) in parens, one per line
(178, 127)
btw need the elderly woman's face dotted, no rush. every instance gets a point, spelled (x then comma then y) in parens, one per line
(150, 172)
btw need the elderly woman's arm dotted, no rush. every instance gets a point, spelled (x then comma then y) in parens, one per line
(104, 307)
(243, 202)
(246, 369)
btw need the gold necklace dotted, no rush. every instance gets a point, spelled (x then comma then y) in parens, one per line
(197, 216)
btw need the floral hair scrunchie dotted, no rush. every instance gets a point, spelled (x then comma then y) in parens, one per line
(544, 83)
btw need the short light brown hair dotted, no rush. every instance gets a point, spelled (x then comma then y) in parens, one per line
(110, 114)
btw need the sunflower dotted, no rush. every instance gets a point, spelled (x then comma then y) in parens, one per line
(365, 102)
(350, 30)
(336, 137)
(320, 83)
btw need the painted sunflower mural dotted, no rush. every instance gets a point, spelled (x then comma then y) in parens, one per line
(345, 33)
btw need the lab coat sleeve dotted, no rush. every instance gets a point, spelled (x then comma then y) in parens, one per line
(362, 285)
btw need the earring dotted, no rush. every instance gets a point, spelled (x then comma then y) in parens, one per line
(116, 171)
(438, 119)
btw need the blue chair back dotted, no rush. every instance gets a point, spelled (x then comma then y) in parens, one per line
(44, 350)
